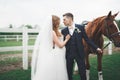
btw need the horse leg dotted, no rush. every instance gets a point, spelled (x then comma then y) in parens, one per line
(99, 59)
(87, 67)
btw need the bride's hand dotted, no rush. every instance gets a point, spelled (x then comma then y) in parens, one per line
(67, 37)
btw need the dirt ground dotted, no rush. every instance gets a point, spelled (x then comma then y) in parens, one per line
(12, 66)
(18, 65)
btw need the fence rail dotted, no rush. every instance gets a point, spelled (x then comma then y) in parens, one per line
(25, 46)
(15, 37)
(14, 48)
(24, 32)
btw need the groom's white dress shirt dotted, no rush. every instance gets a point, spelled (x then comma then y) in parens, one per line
(71, 29)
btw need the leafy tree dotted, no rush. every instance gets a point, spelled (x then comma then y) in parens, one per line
(118, 23)
(10, 26)
(28, 26)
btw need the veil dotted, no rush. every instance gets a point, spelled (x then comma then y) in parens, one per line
(43, 44)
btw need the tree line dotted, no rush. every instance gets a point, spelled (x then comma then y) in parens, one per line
(31, 27)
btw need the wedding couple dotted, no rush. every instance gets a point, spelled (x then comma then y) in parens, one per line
(55, 52)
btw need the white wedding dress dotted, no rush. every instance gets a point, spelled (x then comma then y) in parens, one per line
(60, 62)
(48, 63)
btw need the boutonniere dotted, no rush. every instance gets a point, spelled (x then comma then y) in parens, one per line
(77, 30)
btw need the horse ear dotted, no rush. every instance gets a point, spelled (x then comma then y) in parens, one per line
(115, 15)
(109, 14)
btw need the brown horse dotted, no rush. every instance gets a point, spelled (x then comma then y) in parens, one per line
(95, 30)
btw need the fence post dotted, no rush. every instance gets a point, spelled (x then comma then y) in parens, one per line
(25, 48)
(110, 48)
(17, 36)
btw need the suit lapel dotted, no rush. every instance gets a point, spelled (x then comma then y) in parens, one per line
(74, 30)
(67, 31)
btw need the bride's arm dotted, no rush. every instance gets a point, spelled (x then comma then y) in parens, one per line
(58, 42)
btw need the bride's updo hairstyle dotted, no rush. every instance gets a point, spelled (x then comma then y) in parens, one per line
(56, 23)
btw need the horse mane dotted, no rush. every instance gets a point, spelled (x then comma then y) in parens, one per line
(95, 27)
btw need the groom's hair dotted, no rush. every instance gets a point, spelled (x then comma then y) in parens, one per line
(68, 15)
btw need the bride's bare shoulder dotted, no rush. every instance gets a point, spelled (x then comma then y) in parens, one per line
(54, 32)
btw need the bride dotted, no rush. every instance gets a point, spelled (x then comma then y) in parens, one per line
(48, 59)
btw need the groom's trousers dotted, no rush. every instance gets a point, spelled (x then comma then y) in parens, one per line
(81, 67)
(79, 57)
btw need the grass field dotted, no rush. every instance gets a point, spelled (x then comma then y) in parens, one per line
(14, 43)
(111, 65)
(111, 70)
(19, 43)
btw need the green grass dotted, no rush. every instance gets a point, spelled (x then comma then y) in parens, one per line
(15, 43)
(16, 75)
(11, 52)
(19, 43)
(8, 61)
(10, 43)
(15, 52)
(111, 70)
(111, 67)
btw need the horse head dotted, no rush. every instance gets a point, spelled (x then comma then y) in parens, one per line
(95, 30)
(111, 30)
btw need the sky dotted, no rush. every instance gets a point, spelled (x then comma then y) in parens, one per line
(21, 12)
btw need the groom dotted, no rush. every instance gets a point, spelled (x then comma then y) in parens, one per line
(74, 47)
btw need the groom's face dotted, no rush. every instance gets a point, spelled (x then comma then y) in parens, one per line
(67, 21)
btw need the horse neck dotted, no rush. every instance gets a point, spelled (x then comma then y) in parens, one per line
(95, 30)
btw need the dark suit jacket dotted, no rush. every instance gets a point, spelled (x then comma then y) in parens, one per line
(80, 35)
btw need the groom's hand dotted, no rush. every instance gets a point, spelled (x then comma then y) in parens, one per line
(99, 50)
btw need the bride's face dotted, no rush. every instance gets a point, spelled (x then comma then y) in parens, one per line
(67, 21)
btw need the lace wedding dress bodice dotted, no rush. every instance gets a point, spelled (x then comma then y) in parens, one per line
(60, 62)
(61, 40)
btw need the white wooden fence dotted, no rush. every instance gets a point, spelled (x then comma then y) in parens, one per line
(25, 46)
(15, 37)
(24, 32)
